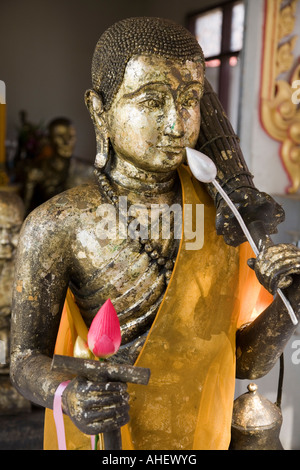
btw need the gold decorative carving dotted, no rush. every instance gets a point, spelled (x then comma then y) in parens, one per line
(280, 114)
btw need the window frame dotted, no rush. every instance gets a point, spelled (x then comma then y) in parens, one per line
(225, 53)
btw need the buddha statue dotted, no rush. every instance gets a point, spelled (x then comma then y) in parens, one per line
(183, 313)
(56, 168)
(11, 219)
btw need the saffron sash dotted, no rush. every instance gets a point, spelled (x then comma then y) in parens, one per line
(190, 348)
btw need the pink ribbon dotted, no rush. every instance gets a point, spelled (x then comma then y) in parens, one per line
(58, 416)
(59, 419)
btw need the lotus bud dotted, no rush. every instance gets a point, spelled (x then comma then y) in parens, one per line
(104, 336)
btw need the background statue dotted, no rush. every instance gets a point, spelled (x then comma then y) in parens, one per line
(55, 168)
(30, 140)
(148, 85)
(11, 219)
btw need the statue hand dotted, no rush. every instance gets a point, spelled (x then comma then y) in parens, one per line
(96, 407)
(275, 266)
(252, 205)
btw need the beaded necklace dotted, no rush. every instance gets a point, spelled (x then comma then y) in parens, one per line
(165, 263)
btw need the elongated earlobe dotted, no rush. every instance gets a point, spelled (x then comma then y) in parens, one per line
(95, 106)
(102, 156)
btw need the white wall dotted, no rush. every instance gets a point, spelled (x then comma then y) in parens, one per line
(262, 155)
(46, 48)
(261, 151)
(45, 55)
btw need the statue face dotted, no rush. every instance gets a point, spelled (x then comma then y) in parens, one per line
(63, 140)
(156, 112)
(11, 220)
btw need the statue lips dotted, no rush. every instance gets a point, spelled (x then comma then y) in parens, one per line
(6, 252)
(171, 149)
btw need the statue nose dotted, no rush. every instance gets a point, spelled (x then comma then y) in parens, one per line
(4, 237)
(174, 124)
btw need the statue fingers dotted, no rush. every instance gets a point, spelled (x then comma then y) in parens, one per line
(104, 418)
(106, 412)
(280, 280)
(83, 386)
(107, 425)
(281, 251)
(276, 265)
(106, 387)
(82, 398)
(275, 279)
(98, 399)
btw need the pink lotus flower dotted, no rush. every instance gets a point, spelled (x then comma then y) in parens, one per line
(104, 336)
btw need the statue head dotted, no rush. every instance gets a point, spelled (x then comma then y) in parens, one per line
(11, 219)
(62, 137)
(148, 78)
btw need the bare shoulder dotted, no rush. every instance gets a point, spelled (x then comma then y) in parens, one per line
(66, 206)
(58, 218)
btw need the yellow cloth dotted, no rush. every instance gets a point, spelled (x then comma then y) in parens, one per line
(190, 348)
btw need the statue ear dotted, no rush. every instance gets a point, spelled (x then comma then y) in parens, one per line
(95, 106)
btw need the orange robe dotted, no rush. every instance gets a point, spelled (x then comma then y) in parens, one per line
(190, 348)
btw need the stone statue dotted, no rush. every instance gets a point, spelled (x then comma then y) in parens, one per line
(29, 141)
(11, 219)
(149, 93)
(55, 169)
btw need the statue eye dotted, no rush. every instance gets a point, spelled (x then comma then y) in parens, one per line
(16, 228)
(190, 101)
(153, 103)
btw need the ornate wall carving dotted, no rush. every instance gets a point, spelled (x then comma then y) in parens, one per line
(280, 113)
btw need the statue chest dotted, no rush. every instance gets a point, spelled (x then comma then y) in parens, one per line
(132, 273)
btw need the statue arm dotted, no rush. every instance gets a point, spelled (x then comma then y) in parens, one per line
(261, 343)
(41, 281)
(34, 176)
